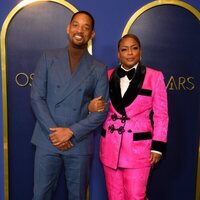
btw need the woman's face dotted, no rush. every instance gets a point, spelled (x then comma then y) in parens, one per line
(129, 52)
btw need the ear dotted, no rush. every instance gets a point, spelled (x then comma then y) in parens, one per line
(92, 35)
(67, 29)
(140, 55)
(118, 55)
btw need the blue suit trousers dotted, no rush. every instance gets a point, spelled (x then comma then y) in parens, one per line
(48, 166)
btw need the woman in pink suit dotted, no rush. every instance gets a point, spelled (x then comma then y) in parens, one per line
(131, 142)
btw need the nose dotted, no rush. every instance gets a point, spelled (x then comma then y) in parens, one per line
(80, 29)
(130, 51)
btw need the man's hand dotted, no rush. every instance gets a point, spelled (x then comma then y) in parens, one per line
(59, 136)
(65, 146)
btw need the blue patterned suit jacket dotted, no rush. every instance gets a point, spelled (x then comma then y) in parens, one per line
(60, 98)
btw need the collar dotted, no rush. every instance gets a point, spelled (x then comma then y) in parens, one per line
(134, 66)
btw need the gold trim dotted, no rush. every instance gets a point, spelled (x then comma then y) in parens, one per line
(8, 19)
(158, 3)
(5, 115)
(196, 13)
(197, 197)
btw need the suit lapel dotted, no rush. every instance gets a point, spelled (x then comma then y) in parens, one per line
(135, 85)
(118, 102)
(62, 68)
(115, 92)
(75, 79)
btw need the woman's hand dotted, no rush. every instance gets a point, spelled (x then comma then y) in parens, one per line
(97, 105)
(155, 158)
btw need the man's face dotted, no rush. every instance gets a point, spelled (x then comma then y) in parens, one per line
(80, 30)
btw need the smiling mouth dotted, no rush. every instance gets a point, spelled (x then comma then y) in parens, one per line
(78, 37)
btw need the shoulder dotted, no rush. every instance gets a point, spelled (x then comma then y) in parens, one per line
(153, 76)
(96, 64)
(153, 72)
(56, 53)
(110, 71)
(94, 60)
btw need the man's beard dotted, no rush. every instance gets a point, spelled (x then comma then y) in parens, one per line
(77, 46)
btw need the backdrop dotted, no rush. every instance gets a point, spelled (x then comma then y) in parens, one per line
(169, 33)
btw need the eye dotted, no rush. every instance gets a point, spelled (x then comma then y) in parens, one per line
(74, 25)
(123, 49)
(86, 28)
(135, 48)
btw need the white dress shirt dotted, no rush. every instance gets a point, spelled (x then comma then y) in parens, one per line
(124, 81)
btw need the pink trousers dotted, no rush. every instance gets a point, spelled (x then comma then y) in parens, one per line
(126, 184)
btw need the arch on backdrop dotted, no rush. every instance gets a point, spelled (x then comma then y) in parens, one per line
(9, 19)
(130, 27)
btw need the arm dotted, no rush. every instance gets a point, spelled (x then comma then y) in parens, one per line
(97, 105)
(82, 128)
(160, 119)
(39, 96)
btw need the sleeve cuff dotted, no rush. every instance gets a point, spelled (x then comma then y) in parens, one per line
(158, 146)
(158, 152)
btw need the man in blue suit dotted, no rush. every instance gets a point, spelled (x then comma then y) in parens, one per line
(64, 83)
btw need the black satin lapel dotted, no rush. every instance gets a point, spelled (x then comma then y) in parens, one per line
(135, 85)
(115, 93)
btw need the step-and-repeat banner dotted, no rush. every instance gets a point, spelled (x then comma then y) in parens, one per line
(169, 33)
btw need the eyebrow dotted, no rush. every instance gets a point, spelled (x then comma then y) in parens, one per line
(130, 45)
(74, 21)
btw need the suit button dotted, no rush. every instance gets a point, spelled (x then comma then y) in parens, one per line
(58, 86)
(129, 131)
(74, 109)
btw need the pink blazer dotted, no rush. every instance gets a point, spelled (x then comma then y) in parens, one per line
(128, 134)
